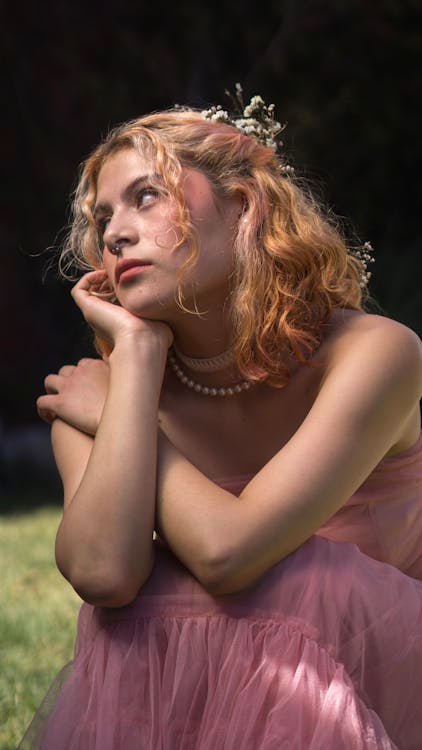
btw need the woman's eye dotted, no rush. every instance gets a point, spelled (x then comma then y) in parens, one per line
(146, 196)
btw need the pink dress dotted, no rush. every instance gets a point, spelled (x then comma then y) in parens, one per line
(323, 653)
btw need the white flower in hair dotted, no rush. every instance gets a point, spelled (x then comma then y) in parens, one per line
(255, 119)
(364, 255)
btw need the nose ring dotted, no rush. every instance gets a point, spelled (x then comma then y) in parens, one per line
(116, 249)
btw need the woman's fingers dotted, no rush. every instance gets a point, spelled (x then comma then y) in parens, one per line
(67, 370)
(83, 291)
(45, 410)
(52, 383)
(90, 282)
(76, 395)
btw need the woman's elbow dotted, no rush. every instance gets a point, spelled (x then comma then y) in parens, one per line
(221, 576)
(107, 589)
(106, 597)
(232, 571)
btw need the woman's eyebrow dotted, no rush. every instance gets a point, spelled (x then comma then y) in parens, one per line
(129, 191)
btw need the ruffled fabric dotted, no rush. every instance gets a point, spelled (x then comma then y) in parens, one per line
(325, 651)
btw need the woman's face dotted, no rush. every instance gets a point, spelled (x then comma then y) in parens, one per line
(132, 211)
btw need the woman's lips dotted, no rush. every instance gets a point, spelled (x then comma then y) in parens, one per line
(128, 270)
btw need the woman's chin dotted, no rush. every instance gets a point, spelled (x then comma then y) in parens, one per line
(147, 309)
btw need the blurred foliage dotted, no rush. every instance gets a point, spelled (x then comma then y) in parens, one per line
(343, 74)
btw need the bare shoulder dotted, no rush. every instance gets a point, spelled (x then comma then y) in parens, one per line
(375, 365)
(372, 339)
(344, 320)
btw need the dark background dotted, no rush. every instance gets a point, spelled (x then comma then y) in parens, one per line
(344, 75)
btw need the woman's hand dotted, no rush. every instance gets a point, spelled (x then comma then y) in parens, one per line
(76, 395)
(112, 322)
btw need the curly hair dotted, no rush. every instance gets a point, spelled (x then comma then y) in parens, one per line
(292, 265)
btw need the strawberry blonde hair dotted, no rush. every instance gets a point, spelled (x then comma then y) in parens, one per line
(292, 265)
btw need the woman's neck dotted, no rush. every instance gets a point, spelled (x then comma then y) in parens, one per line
(202, 337)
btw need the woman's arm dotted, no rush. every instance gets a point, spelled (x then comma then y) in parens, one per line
(104, 542)
(370, 392)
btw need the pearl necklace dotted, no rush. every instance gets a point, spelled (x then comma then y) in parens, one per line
(230, 390)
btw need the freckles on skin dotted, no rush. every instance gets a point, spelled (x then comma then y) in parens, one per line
(150, 232)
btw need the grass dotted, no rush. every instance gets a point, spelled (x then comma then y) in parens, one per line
(38, 611)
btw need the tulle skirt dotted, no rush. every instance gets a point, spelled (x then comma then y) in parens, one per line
(323, 653)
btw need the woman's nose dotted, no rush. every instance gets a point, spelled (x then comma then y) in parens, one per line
(120, 232)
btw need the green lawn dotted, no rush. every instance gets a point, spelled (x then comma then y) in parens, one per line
(38, 611)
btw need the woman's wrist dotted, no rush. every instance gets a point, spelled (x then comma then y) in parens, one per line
(139, 363)
(140, 347)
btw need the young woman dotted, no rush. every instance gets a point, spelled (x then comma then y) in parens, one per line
(250, 414)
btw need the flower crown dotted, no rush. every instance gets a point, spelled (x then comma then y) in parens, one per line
(257, 120)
